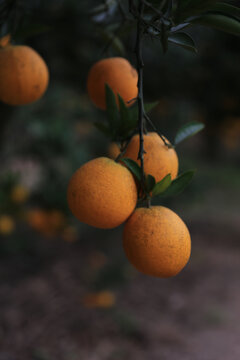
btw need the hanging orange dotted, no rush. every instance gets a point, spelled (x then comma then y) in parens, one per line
(119, 74)
(24, 74)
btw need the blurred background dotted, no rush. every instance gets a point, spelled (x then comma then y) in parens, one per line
(66, 290)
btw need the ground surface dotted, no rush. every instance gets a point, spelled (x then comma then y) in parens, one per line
(193, 316)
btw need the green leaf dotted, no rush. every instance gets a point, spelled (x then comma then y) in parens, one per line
(162, 185)
(125, 117)
(112, 110)
(113, 40)
(179, 184)
(150, 183)
(133, 167)
(103, 128)
(134, 112)
(225, 9)
(98, 9)
(184, 40)
(149, 106)
(219, 22)
(102, 7)
(187, 131)
(188, 8)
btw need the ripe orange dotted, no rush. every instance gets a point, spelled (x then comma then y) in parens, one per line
(102, 193)
(19, 194)
(23, 75)
(156, 241)
(48, 223)
(38, 219)
(159, 160)
(7, 224)
(119, 74)
(113, 150)
(5, 40)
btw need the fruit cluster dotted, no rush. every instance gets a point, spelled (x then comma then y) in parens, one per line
(104, 193)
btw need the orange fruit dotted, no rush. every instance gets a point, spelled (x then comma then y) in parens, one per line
(113, 150)
(7, 224)
(119, 74)
(38, 219)
(23, 75)
(102, 193)
(159, 160)
(102, 299)
(19, 194)
(156, 241)
(5, 40)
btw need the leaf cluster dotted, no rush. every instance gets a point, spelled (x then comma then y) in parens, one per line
(163, 188)
(168, 20)
(14, 19)
(121, 119)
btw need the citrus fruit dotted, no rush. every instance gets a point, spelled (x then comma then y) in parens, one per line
(119, 74)
(156, 241)
(159, 160)
(23, 75)
(102, 193)
(113, 150)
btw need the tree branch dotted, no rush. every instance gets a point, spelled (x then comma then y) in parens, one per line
(140, 66)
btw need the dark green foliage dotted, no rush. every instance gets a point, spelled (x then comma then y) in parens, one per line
(121, 120)
(179, 184)
(184, 40)
(218, 22)
(187, 131)
(162, 185)
(133, 167)
(150, 183)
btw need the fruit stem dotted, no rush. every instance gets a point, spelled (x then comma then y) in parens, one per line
(149, 202)
(147, 118)
(140, 65)
(5, 40)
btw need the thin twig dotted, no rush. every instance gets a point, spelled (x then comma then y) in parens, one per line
(114, 36)
(124, 148)
(140, 66)
(155, 129)
(150, 6)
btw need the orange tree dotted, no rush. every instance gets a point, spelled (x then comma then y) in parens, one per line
(155, 239)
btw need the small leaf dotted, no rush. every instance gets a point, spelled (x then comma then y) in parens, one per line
(149, 106)
(179, 27)
(124, 116)
(187, 131)
(150, 183)
(184, 40)
(188, 8)
(162, 185)
(112, 40)
(103, 128)
(112, 110)
(218, 22)
(179, 184)
(133, 167)
(225, 9)
(134, 112)
(98, 9)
